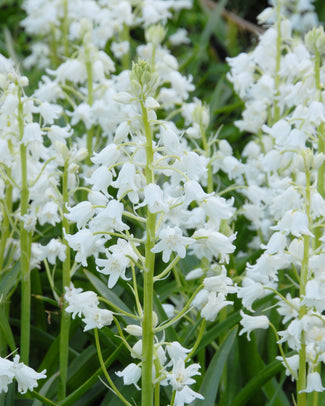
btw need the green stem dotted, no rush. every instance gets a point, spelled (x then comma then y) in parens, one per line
(25, 245)
(102, 364)
(173, 398)
(43, 399)
(276, 116)
(66, 280)
(198, 340)
(321, 149)
(302, 374)
(207, 154)
(65, 28)
(5, 227)
(148, 276)
(126, 57)
(90, 100)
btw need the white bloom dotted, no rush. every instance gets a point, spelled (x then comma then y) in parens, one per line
(294, 222)
(277, 243)
(180, 378)
(220, 283)
(292, 335)
(131, 374)
(314, 383)
(107, 156)
(179, 37)
(86, 244)
(54, 249)
(49, 214)
(176, 351)
(171, 239)
(6, 374)
(293, 363)
(211, 243)
(251, 323)
(134, 330)
(25, 376)
(154, 198)
(109, 219)
(50, 112)
(32, 132)
(213, 306)
(80, 302)
(120, 48)
(127, 182)
(101, 179)
(80, 213)
(118, 259)
(97, 318)
(194, 274)
(289, 311)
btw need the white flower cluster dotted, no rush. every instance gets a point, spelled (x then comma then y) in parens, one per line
(25, 376)
(283, 179)
(301, 14)
(106, 19)
(172, 358)
(85, 304)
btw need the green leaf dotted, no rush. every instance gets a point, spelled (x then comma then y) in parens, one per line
(6, 330)
(86, 386)
(257, 382)
(10, 280)
(170, 331)
(39, 401)
(218, 329)
(210, 384)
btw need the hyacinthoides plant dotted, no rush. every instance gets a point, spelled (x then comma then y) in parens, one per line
(283, 77)
(147, 200)
(112, 205)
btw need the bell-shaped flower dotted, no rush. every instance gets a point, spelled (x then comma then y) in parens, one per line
(80, 213)
(6, 374)
(109, 219)
(171, 239)
(314, 383)
(97, 318)
(251, 323)
(294, 222)
(86, 244)
(154, 198)
(25, 376)
(131, 375)
(127, 182)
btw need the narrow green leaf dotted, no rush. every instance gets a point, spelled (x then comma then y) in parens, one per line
(170, 331)
(6, 330)
(257, 382)
(39, 397)
(218, 330)
(84, 387)
(10, 280)
(210, 384)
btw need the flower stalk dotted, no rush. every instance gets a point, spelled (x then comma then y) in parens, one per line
(148, 276)
(25, 243)
(66, 279)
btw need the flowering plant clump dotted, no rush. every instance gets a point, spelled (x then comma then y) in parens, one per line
(138, 241)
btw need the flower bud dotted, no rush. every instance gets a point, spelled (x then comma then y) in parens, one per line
(134, 330)
(155, 34)
(201, 115)
(315, 40)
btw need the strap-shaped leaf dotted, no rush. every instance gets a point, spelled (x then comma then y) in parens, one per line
(257, 382)
(210, 384)
(6, 330)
